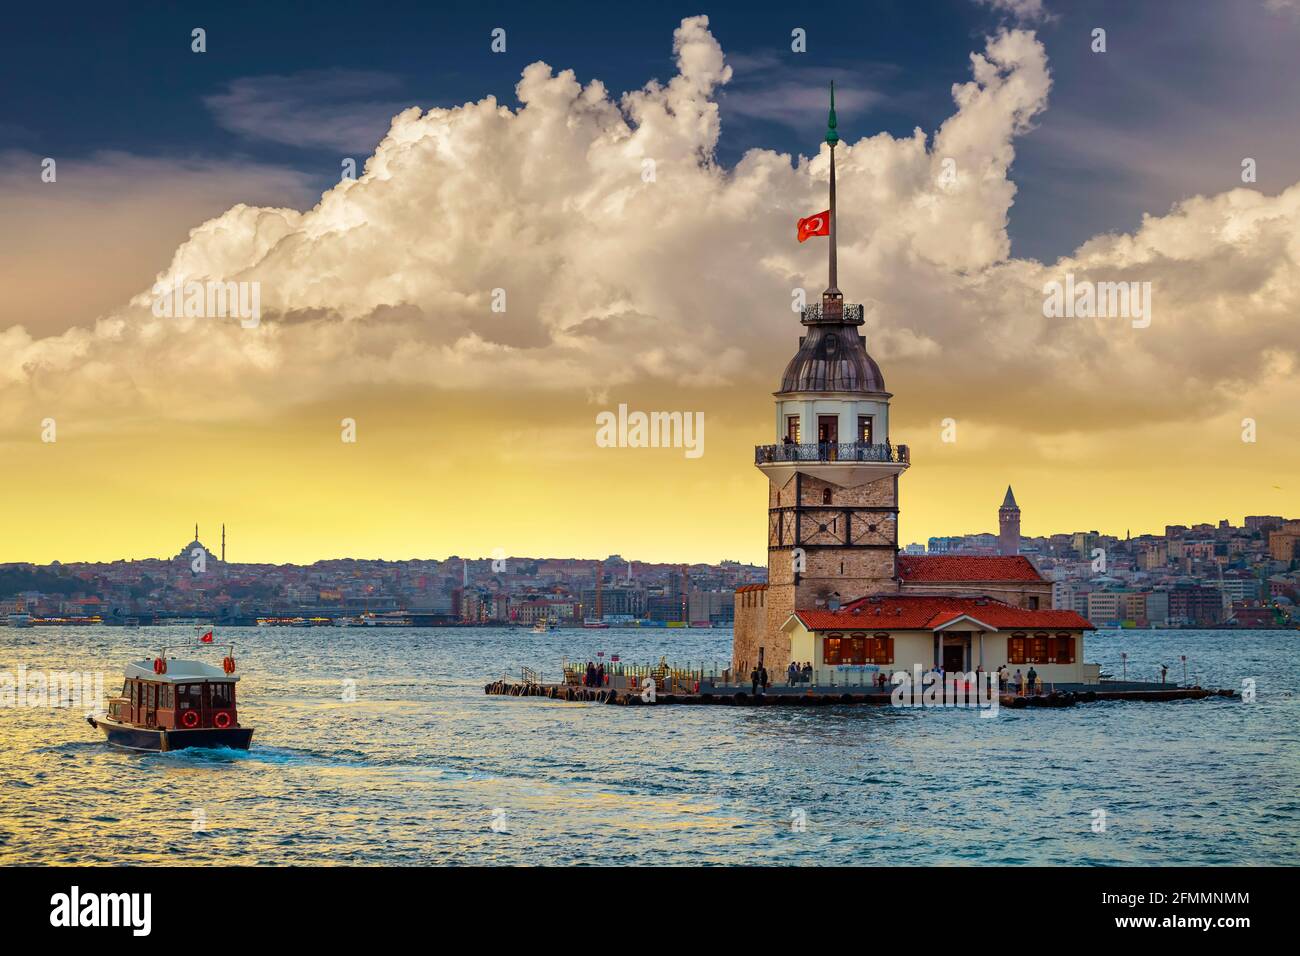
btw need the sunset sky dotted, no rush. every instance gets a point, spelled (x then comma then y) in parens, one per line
(524, 171)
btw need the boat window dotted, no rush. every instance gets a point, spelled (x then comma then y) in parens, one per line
(223, 695)
(189, 696)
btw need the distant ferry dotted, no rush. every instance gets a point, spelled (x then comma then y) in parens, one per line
(171, 704)
(20, 620)
(595, 624)
(384, 620)
(542, 626)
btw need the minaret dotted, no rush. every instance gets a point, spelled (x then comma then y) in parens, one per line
(832, 533)
(223, 542)
(1009, 525)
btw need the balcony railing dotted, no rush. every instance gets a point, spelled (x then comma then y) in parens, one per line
(830, 451)
(850, 313)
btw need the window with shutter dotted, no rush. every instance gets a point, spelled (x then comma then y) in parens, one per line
(1038, 653)
(831, 650)
(856, 651)
(1016, 649)
(1064, 649)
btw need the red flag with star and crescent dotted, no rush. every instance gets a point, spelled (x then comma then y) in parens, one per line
(818, 225)
(206, 638)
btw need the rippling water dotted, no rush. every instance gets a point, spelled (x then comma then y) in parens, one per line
(411, 772)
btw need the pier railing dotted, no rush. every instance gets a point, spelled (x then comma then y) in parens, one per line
(846, 451)
(623, 675)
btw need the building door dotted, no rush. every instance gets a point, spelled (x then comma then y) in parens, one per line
(828, 428)
(954, 658)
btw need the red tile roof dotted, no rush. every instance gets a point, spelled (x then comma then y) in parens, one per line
(751, 587)
(915, 612)
(932, 568)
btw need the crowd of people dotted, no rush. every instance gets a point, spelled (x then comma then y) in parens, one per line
(1026, 684)
(796, 674)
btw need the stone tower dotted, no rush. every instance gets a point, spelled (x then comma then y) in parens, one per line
(832, 527)
(1009, 525)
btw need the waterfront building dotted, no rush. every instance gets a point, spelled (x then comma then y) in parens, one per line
(715, 608)
(1105, 607)
(1158, 607)
(1195, 604)
(838, 592)
(957, 634)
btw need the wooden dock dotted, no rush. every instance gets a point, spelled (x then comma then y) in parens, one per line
(731, 696)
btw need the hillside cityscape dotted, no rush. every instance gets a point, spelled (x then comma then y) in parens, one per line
(1200, 575)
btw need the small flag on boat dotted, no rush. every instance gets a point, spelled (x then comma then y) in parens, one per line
(818, 225)
(206, 638)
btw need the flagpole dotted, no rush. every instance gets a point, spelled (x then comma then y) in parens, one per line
(834, 276)
(832, 139)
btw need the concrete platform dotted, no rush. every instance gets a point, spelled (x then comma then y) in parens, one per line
(1063, 695)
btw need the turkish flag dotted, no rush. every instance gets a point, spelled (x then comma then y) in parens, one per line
(206, 638)
(818, 225)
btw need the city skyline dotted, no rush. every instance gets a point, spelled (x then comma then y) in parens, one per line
(1155, 528)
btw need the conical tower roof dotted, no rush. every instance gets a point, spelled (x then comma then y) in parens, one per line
(1010, 500)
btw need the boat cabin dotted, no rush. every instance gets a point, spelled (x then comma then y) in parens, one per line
(167, 693)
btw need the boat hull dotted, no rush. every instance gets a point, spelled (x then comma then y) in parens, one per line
(164, 740)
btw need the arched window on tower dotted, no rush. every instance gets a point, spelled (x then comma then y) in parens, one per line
(826, 496)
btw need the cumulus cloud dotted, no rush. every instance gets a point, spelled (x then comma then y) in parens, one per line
(1024, 11)
(615, 278)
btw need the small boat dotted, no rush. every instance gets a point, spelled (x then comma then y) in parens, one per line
(170, 703)
(601, 625)
(19, 619)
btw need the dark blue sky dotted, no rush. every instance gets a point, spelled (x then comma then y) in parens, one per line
(1185, 90)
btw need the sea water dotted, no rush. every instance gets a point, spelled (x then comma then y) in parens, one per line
(378, 746)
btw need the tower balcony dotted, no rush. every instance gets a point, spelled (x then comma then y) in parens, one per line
(832, 312)
(847, 464)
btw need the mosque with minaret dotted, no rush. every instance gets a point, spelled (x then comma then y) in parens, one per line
(839, 594)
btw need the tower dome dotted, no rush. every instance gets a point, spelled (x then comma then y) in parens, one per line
(832, 357)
